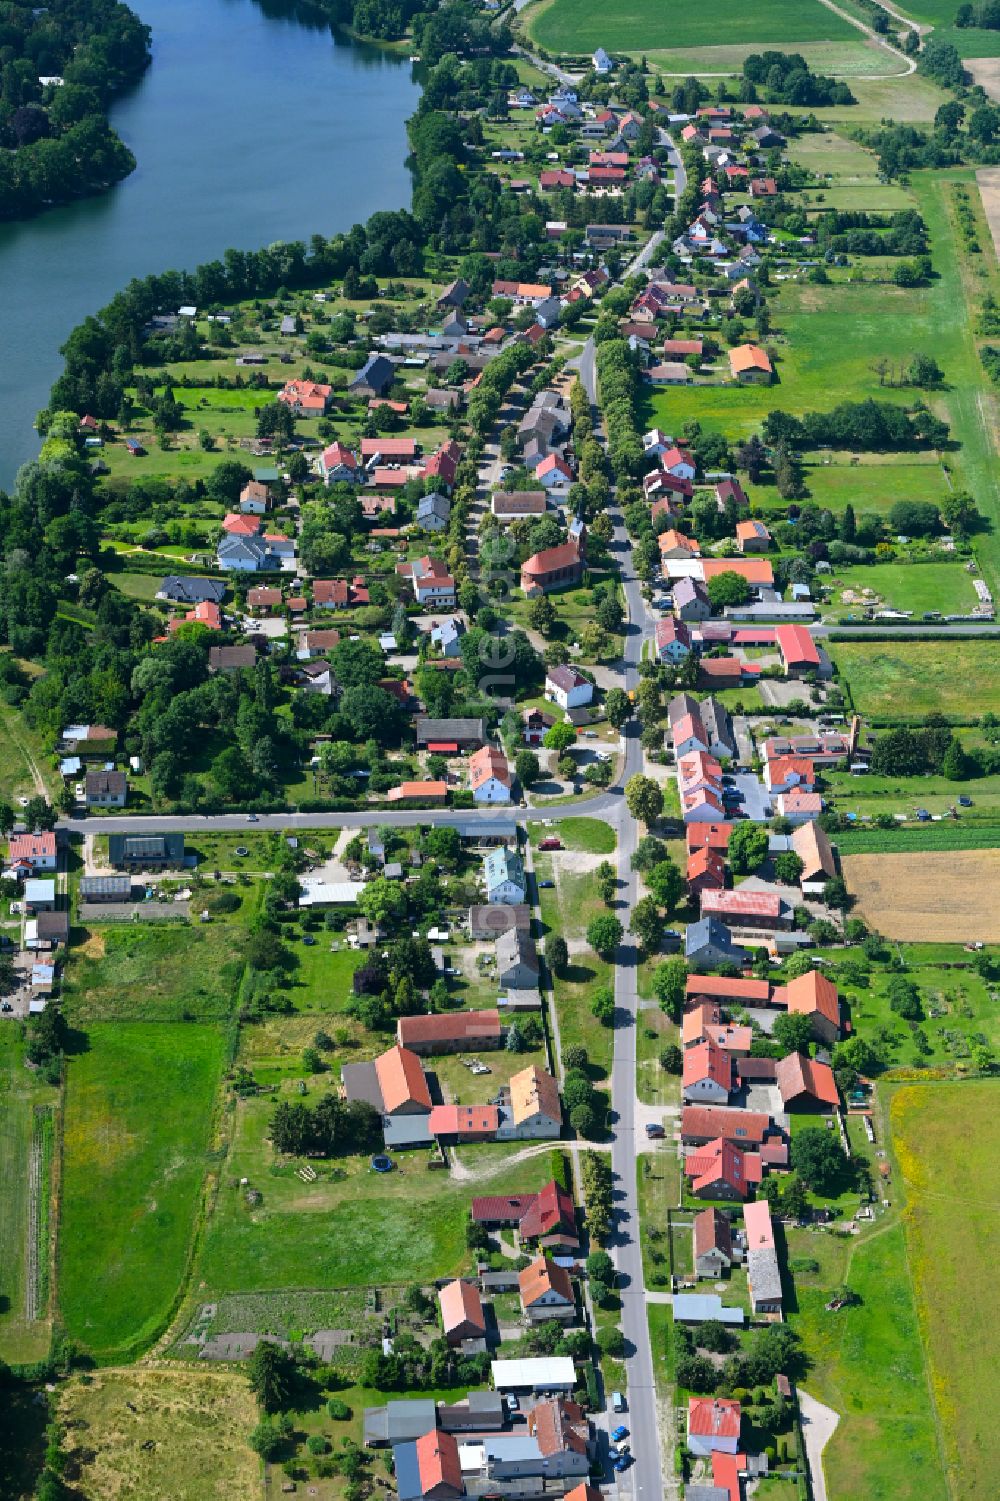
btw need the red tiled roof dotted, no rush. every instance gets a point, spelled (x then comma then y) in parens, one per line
(759, 1230)
(714, 835)
(796, 645)
(711, 1230)
(448, 1026)
(401, 1079)
(460, 1304)
(27, 847)
(438, 1464)
(811, 993)
(713, 1417)
(741, 904)
(707, 1061)
(798, 1075)
(464, 1120)
(543, 1276)
(708, 1122)
(718, 987)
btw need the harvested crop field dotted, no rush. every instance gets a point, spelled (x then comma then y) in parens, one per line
(161, 1435)
(935, 896)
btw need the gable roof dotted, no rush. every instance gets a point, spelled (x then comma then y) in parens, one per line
(707, 1061)
(533, 1091)
(798, 1075)
(749, 357)
(551, 1210)
(713, 1417)
(453, 1026)
(438, 1463)
(811, 844)
(759, 1229)
(712, 1231)
(401, 1079)
(541, 1277)
(485, 763)
(460, 1303)
(709, 1122)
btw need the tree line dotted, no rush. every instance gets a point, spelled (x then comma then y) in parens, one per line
(57, 143)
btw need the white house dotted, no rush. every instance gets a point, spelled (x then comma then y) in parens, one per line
(568, 688)
(553, 472)
(433, 512)
(602, 62)
(655, 443)
(673, 640)
(505, 881)
(489, 776)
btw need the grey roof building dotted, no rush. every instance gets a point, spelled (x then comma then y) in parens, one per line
(709, 943)
(140, 850)
(192, 591)
(399, 1422)
(374, 378)
(517, 960)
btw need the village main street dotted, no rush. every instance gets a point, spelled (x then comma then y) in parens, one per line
(649, 1477)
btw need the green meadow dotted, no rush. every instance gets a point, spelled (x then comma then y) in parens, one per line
(645, 25)
(136, 1136)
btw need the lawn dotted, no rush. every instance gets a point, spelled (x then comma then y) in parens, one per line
(943, 1137)
(22, 1338)
(350, 1228)
(321, 978)
(577, 26)
(164, 1435)
(155, 973)
(866, 794)
(867, 1363)
(904, 681)
(875, 483)
(137, 1130)
(586, 834)
(653, 1085)
(657, 1189)
(21, 755)
(917, 587)
(567, 909)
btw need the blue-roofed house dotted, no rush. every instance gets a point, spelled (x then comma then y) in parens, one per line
(602, 62)
(505, 881)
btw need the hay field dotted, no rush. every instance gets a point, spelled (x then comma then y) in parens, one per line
(934, 896)
(161, 1435)
(944, 1140)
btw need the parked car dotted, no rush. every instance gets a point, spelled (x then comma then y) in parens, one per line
(965, 802)
(617, 1434)
(622, 1462)
(670, 940)
(654, 1132)
(618, 1402)
(546, 884)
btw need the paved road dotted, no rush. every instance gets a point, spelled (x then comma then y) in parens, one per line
(647, 1472)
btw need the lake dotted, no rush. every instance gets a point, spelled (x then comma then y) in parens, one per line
(253, 124)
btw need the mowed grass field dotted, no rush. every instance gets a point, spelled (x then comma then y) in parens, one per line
(907, 680)
(944, 1138)
(21, 1338)
(137, 1130)
(644, 25)
(157, 973)
(946, 896)
(917, 587)
(350, 1228)
(867, 1363)
(162, 1435)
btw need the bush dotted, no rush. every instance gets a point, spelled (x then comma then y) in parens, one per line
(338, 1409)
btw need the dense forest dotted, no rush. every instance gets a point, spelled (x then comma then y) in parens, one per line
(60, 66)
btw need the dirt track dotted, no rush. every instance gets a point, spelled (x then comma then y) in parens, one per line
(988, 179)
